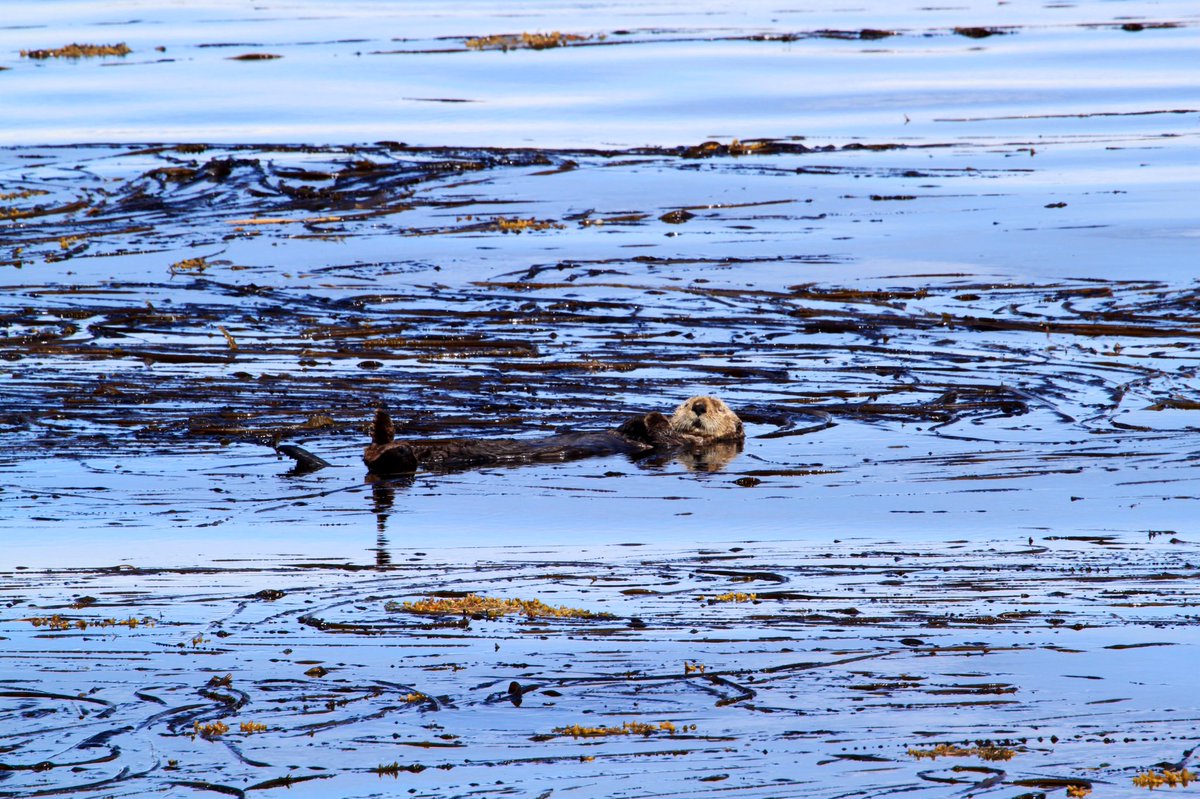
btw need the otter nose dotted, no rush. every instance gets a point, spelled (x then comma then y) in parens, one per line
(700, 407)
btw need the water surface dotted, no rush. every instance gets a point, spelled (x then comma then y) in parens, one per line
(940, 259)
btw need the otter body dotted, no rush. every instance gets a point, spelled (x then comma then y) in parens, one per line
(696, 425)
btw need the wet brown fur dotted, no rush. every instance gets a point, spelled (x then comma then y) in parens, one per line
(695, 425)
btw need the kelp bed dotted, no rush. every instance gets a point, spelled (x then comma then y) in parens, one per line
(825, 671)
(199, 304)
(161, 298)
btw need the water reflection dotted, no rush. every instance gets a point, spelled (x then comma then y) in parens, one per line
(383, 497)
(712, 458)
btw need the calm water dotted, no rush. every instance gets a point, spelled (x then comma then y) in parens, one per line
(661, 73)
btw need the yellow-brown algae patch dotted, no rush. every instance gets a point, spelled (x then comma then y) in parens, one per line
(642, 728)
(251, 727)
(213, 730)
(526, 41)
(492, 607)
(190, 265)
(57, 622)
(734, 596)
(992, 753)
(24, 194)
(79, 51)
(747, 148)
(1155, 779)
(735, 147)
(507, 225)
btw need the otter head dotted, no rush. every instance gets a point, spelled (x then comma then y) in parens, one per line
(708, 419)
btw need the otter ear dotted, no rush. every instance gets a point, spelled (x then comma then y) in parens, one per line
(383, 431)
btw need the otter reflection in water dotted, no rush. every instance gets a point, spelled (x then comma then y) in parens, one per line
(703, 433)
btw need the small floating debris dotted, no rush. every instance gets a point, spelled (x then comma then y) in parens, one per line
(735, 147)
(1135, 27)
(866, 34)
(254, 57)
(394, 768)
(677, 217)
(79, 51)
(979, 33)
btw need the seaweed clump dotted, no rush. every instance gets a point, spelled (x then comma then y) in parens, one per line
(524, 41)
(627, 728)
(58, 623)
(394, 768)
(1155, 779)
(491, 608)
(990, 753)
(79, 51)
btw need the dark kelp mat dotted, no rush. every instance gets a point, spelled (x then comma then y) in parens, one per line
(160, 298)
(829, 671)
(197, 304)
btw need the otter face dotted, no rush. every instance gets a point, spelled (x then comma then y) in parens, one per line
(707, 418)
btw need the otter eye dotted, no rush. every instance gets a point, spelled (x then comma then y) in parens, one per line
(700, 407)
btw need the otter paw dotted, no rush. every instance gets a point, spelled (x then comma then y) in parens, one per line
(394, 458)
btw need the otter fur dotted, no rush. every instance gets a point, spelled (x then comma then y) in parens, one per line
(696, 426)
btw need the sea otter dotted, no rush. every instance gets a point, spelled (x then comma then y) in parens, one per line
(702, 428)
